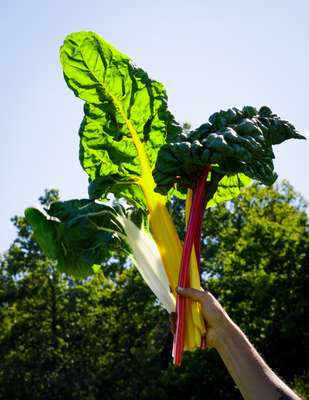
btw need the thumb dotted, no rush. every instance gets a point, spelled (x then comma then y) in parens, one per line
(191, 293)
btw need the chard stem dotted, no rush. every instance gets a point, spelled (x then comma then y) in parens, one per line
(192, 236)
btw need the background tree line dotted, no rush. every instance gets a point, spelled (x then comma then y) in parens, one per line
(107, 338)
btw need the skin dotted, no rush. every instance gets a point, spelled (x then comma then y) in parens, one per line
(251, 374)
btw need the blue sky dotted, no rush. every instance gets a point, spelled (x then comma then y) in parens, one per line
(210, 55)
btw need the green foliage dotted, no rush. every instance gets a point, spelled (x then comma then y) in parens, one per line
(234, 142)
(65, 339)
(258, 265)
(105, 338)
(31, 311)
(126, 116)
(301, 385)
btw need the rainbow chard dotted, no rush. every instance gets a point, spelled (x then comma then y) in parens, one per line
(213, 162)
(132, 147)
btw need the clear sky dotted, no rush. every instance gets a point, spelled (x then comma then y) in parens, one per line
(210, 55)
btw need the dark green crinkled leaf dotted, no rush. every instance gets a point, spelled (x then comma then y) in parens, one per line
(79, 234)
(123, 107)
(235, 142)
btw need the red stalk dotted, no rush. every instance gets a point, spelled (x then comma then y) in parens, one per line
(198, 233)
(192, 237)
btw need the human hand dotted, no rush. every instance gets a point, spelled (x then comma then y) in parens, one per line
(251, 374)
(214, 314)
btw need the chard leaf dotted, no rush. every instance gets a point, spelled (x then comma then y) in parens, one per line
(126, 118)
(228, 188)
(235, 142)
(44, 231)
(79, 234)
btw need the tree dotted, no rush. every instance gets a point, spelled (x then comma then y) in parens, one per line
(255, 259)
(257, 255)
(107, 338)
(32, 310)
(68, 339)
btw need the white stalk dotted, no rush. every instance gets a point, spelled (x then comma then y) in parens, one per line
(148, 262)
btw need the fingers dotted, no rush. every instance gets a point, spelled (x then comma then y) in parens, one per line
(194, 294)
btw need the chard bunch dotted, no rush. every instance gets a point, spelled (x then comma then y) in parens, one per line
(131, 146)
(212, 163)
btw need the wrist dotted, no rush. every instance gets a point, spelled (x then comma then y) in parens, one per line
(226, 328)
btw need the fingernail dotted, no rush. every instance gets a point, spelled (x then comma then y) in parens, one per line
(179, 289)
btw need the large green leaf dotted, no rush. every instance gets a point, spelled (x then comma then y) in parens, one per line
(126, 118)
(79, 234)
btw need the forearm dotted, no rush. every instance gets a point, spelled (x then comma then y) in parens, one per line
(253, 377)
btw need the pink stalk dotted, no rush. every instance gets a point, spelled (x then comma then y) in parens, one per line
(192, 236)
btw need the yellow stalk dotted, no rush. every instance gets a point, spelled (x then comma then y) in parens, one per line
(166, 237)
(162, 227)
